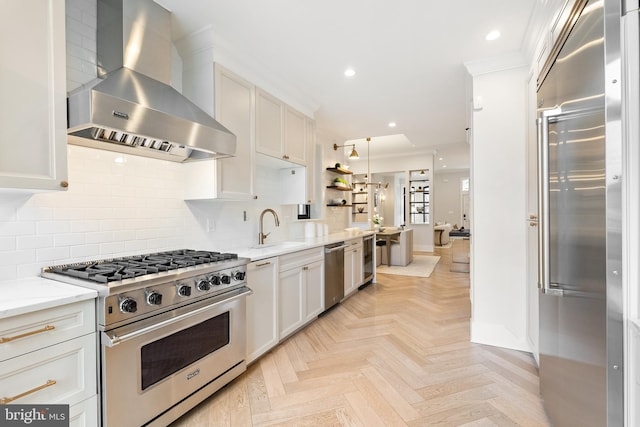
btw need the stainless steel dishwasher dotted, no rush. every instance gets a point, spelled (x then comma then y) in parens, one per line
(333, 274)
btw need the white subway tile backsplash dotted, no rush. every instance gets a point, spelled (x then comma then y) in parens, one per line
(16, 228)
(30, 270)
(112, 248)
(7, 243)
(85, 251)
(69, 239)
(84, 226)
(99, 237)
(34, 242)
(53, 255)
(18, 257)
(35, 213)
(135, 246)
(53, 227)
(9, 272)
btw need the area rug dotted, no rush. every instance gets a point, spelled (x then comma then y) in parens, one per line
(421, 266)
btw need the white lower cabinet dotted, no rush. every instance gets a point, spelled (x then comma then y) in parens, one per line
(50, 357)
(61, 373)
(262, 307)
(353, 266)
(301, 289)
(84, 414)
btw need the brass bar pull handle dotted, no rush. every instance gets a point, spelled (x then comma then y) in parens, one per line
(26, 334)
(6, 400)
(263, 264)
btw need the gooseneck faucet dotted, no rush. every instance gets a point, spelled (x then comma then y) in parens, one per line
(261, 235)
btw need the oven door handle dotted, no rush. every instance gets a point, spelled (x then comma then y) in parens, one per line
(114, 340)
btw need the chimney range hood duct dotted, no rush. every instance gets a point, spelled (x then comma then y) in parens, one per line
(131, 108)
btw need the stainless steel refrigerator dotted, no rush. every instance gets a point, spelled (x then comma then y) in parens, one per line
(580, 311)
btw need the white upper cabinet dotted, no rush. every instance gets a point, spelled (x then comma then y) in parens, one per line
(280, 129)
(269, 123)
(229, 178)
(235, 106)
(33, 125)
(295, 147)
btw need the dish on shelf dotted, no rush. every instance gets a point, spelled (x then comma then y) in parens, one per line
(420, 209)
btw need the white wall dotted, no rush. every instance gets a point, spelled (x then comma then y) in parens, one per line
(447, 197)
(498, 256)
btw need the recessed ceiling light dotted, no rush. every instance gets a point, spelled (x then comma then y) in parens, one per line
(439, 158)
(392, 124)
(444, 166)
(493, 35)
(350, 72)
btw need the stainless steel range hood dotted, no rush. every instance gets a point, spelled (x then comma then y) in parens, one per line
(131, 107)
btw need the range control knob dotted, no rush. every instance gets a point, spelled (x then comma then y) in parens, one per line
(225, 279)
(203, 285)
(154, 298)
(238, 275)
(184, 290)
(128, 305)
(215, 280)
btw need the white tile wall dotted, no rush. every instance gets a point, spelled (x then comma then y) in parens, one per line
(116, 205)
(81, 42)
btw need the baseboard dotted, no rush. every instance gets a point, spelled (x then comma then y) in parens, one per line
(497, 336)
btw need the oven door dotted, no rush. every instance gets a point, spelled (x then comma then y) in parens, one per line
(152, 365)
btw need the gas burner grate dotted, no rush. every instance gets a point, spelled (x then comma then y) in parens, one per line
(117, 269)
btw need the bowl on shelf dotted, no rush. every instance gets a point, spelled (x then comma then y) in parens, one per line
(420, 209)
(360, 209)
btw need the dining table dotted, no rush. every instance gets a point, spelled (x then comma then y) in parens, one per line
(388, 236)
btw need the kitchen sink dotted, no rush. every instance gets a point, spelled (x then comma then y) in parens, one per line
(279, 245)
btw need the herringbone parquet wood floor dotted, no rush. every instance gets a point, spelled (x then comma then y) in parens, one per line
(397, 353)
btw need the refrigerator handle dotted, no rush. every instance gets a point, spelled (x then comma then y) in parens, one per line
(543, 199)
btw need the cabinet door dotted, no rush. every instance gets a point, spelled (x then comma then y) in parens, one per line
(290, 302)
(84, 414)
(33, 122)
(358, 267)
(64, 373)
(262, 307)
(295, 147)
(35, 330)
(235, 106)
(314, 289)
(348, 271)
(269, 122)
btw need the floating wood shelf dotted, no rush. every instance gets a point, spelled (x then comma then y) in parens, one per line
(337, 187)
(341, 171)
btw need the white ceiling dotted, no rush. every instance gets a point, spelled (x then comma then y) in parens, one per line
(409, 57)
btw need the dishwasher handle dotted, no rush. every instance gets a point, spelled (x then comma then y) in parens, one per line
(329, 249)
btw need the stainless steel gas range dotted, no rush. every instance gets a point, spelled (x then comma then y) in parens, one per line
(172, 330)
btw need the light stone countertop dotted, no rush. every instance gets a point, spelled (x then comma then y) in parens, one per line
(37, 293)
(269, 250)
